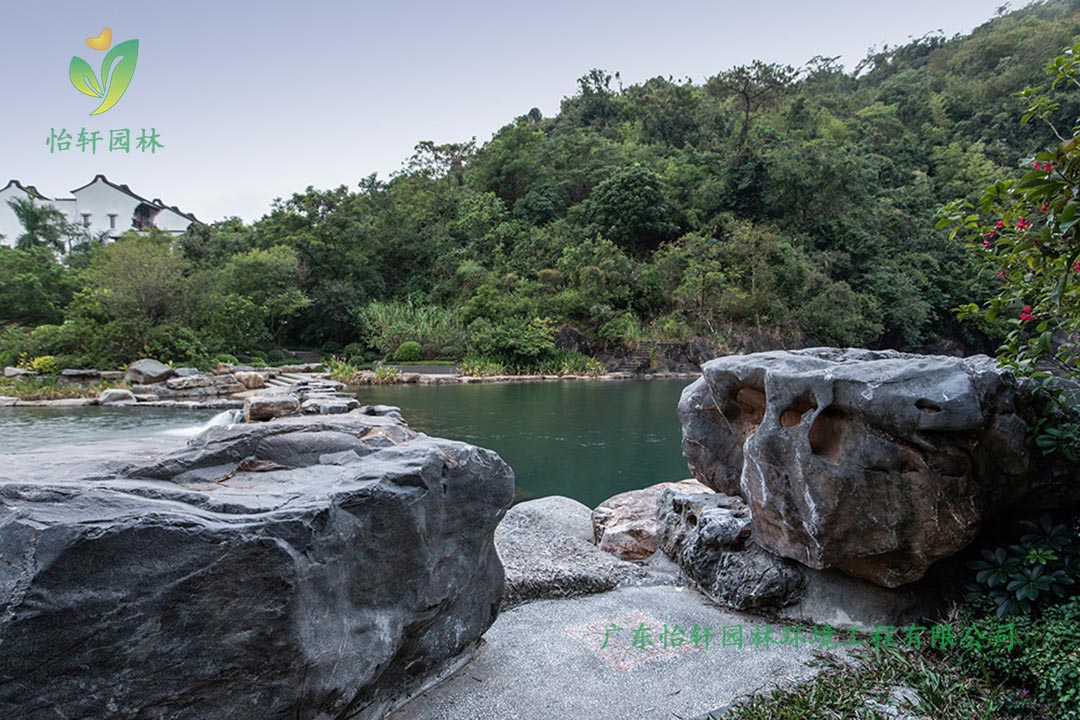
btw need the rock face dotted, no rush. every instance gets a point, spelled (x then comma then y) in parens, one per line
(709, 535)
(306, 568)
(143, 372)
(876, 463)
(625, 525)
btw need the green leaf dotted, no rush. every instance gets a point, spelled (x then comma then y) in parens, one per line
(83, 78)
(125, 56)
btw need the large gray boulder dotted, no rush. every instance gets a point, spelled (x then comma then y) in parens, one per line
(311, 567)
(874, 462)
(546, 547)
(148, 372)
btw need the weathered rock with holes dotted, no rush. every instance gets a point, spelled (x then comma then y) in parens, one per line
(874, 462)
(309, 568)
(625, 525)
(709, 536)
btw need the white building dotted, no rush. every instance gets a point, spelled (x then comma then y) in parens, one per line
(98, 207)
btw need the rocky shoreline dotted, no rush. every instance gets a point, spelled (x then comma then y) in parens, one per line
(377, 563)
(228, 387)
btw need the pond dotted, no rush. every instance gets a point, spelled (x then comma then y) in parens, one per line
(585, 440)
(24, 429)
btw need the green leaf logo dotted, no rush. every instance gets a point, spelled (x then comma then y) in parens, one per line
(117, 69)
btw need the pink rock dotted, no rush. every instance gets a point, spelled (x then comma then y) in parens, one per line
(625, 525)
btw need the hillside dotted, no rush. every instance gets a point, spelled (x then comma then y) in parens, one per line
(763, 206)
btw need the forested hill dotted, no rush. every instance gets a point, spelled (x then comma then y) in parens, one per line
(763, 204)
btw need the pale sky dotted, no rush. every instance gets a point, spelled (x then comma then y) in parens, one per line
(257, 100)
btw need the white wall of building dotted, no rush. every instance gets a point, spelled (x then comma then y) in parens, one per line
(98, 207)
(103, 208)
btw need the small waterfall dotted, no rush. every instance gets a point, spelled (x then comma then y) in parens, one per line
(228, 417)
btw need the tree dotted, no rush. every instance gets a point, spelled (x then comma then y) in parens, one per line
(43, 225)
(34, 288)
(140, 276)
(753, 86)
(270, 279)
(630, 209)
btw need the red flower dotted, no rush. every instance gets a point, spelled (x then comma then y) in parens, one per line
(986, 244)
(1000, 224)
(1076, 266)
(1026, 315)
(1022, 224)
(1045, 207)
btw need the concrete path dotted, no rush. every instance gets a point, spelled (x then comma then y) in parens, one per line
(545, 661)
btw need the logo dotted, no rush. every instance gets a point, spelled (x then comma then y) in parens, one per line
(117, 69)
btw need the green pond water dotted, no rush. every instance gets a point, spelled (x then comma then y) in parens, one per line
(24, 429)
(585, 440)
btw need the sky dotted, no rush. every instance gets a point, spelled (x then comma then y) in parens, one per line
(257, 100)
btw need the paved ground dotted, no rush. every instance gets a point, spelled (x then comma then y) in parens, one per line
(547, 660)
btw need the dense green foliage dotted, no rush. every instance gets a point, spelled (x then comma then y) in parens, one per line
(1043, 567)
(762, 206)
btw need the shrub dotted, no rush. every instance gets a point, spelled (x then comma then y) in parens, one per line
(226, 358)
(44, 365)
(669, 328)
(385, 375)
(519, 341)
(340, 370)
(409, 351)
(116, 343)
(1045, 655)
(481, 367)
(276, 356)
(1043, 567)
(331, 348)
(566, 362)
(177, 344)
(354, 350)
(389, 324)
(622, 328)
